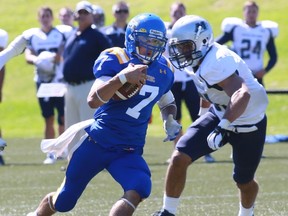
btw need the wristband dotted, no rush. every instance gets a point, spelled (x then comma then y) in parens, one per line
(224, 123)
(103, 101)
(122, 78)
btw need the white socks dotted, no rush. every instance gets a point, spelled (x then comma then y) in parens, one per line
(245, 212)
(170, 204)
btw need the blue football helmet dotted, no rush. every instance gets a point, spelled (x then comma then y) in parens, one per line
(145, 37)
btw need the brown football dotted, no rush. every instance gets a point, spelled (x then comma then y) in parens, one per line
(127, 91)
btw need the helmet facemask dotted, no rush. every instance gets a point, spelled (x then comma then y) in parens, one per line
(183, 53)
(148, 47)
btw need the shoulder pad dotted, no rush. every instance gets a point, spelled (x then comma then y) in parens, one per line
(229, 22)
(120, 53)
(66, 30)
(273, 26)
(27, 34)
(3, 38)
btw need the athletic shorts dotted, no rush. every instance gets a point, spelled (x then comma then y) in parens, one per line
(247, 147)
(126, 166)
(48, 106)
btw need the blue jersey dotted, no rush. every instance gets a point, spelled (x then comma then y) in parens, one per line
(124, 122)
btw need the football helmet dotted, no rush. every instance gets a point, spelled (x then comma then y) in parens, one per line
(191, 38)
(145, 37)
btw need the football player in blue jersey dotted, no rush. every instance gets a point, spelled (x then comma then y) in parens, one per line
(114, 140)
(236, 116)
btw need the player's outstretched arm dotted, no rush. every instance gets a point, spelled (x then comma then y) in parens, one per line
(16, 47)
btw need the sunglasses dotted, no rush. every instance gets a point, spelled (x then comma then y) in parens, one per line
(118, 11)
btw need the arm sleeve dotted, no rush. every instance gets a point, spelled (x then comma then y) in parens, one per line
(271, 48)
(224, 38)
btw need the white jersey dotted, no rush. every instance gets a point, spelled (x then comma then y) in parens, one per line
(179, 75)
(39, 41)
(250, 42)
(3, 38)
(219, 64)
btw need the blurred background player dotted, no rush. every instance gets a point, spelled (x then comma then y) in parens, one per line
(183, 88)
(115, 139)
(98, 16)
(44, 51)
(3, 44)
(66, 16)
(251, 39)
(116, 31)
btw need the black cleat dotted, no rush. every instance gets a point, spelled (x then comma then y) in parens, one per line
(163, 213)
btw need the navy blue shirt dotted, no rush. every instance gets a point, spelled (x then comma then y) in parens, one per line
(81, 53)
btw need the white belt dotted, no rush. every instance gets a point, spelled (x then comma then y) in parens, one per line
(237, 129)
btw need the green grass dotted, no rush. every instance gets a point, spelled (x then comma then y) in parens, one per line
(209, 188)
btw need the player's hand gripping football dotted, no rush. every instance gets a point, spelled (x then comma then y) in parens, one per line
(172, 128)
(135, 74)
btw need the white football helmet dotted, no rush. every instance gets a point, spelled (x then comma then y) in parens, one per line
(191, 38)
(45, 62)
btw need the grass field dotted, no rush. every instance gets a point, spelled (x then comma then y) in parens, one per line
(209, 188)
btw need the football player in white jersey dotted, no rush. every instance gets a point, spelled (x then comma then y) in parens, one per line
(3, 44)
(236, 116)
(251, 39)
(44, 48)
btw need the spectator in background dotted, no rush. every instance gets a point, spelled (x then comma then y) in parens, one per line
(44, 50)
(3, 44)
(98, 16)
(251, 39)
(183, 88)
(66, 16)
(80, 53)
(116, 31)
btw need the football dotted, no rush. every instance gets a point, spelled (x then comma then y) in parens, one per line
(127, 91)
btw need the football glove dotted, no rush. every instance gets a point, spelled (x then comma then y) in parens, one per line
(2, 144)
(172, 128)
(215, 138)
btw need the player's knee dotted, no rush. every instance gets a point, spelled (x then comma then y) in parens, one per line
(65, 202)
(179, 159)
(246, 187)
(60, 120)
(243, 176)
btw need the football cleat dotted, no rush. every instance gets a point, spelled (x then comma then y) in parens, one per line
(51, 159)
(163, 213)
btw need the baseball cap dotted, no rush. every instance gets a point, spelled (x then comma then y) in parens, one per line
(84, 5)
